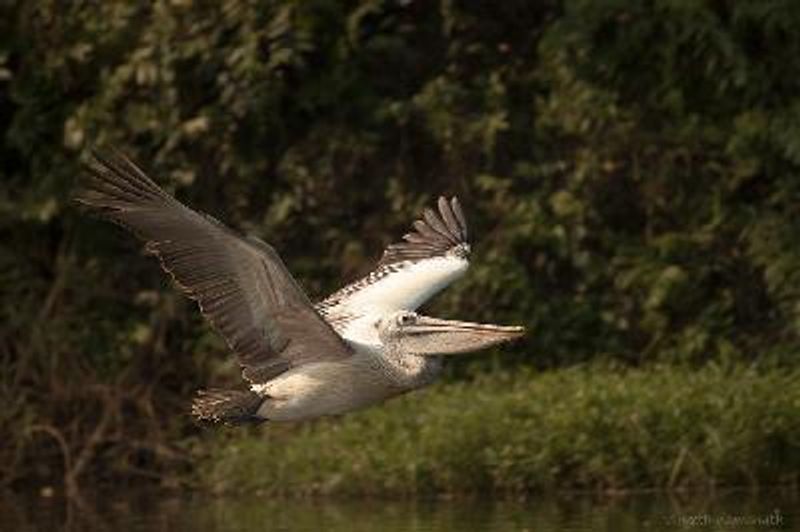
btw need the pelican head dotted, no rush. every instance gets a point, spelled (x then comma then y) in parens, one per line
(423, 335)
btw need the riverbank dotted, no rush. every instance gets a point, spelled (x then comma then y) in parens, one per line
(593, 427)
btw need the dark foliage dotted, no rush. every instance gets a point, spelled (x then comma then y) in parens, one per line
(630, 170)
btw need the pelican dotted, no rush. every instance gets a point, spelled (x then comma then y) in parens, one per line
(360, 346)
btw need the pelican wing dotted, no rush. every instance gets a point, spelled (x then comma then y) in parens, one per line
(434, 235)
(240, 284)
(429, 257)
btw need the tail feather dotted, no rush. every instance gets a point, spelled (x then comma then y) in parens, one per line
(232, 407)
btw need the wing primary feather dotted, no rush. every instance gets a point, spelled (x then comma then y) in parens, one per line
(427, 231)
(240, 284)
(434, 234)
(435, 223)
(459, 214)
(449, 219)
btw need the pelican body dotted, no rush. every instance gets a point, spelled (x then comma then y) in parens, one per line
(360, 346)
(373, 374)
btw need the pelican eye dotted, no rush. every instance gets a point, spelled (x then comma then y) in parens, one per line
(406, 319)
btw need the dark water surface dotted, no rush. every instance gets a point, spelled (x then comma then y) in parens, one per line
(156, 511)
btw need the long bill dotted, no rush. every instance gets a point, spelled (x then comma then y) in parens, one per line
(433, 336)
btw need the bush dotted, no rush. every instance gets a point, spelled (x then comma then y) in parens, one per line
(589, 427)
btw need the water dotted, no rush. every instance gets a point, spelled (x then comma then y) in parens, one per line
(156, 511)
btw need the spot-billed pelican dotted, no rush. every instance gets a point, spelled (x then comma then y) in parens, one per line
(360, 346)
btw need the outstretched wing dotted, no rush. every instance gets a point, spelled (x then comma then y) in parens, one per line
(240, 284)
(429, 258)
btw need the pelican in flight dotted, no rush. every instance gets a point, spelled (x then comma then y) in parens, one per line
(362, 345)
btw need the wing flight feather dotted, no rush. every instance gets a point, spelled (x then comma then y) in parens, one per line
(434, 234)
(240, 284)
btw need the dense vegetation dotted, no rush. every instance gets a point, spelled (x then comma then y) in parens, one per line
(630, 171)
(585, 428)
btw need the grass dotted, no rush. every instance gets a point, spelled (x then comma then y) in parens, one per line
(583, 428)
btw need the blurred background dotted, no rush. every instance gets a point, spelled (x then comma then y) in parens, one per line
(630, 172)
